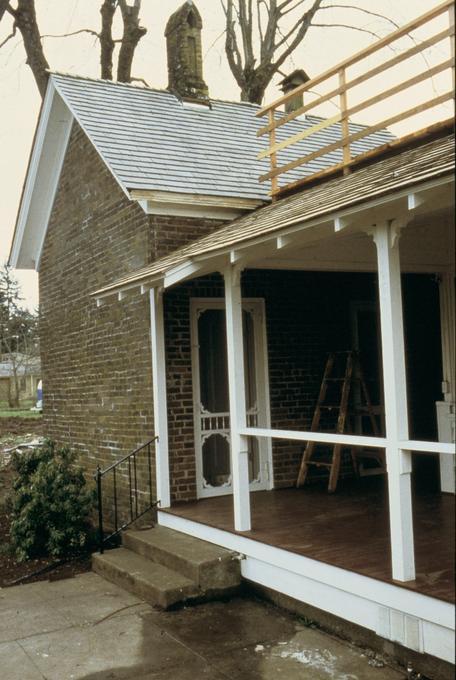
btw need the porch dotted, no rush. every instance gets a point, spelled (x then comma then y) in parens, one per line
(378, 552)
(349, 530)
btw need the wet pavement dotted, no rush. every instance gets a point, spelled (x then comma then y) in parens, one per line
(87, 629)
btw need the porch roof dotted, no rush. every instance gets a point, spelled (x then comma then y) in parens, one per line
(387, 176)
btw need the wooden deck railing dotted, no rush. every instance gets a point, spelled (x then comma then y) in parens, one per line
(348, 135)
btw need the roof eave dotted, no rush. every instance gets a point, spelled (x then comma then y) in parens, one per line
(41, 180)
(240, 252)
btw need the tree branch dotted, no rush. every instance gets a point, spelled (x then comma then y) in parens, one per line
(25, 20)
(132, 34)
(364, 11)
(352, 28)
(139, 80)
(8, 37)
(3, 7)
(299, 37)
(67, 35)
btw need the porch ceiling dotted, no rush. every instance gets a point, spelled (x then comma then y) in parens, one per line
(416, 184)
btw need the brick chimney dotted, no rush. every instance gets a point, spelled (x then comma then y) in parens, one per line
(298, 77)
(185, 62)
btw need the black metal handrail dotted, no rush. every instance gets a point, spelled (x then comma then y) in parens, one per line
(135, 512)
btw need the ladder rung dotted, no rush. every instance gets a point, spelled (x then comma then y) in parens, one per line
(354, 378)
(318, 463)
(330, 406)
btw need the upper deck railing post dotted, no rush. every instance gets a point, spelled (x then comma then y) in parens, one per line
(451, 23)
(272, 141)
(345, 128)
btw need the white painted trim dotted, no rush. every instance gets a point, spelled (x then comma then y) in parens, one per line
(323, 437)
(257, 306)
(185, 210)
(181, 272)
(398, 460)
(290, 264)
(179, 204)
(443, 448)
(236, 389)
(263, 365)
(197, 200)
(157, 329)
(43, 174)
(354, 597)
(348, 440)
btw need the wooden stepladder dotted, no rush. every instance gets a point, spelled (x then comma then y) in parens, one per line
(336, 385)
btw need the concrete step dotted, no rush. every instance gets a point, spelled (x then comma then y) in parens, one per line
(150, 581)
(212, 568)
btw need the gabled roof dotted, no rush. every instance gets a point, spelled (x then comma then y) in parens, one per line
(152, 141)
(383, 177)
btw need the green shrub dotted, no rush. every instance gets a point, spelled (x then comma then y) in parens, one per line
(50, 504)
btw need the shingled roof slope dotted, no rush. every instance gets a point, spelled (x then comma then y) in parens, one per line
(384, 176)
(151, 140)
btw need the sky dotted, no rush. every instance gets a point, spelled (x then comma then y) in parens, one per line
(20, 101)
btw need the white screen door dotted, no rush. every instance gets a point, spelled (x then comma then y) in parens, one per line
(211, 402)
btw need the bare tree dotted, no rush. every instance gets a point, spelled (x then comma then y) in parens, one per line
(260, 35)
(25, 21)
(107, 43)
(132, 34)
(3, 6)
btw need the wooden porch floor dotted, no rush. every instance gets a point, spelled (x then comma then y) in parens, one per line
(348, 529)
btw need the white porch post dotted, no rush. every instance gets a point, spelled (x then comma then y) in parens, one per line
(236, 383)
(399, 462)
(157, 334)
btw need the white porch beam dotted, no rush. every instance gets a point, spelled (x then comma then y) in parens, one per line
(341, 223)
(398, 461)
(157, 333)
(182, 272)
(236, 385)
(414, 201)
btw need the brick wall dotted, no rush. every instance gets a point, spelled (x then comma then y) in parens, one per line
(307, 315)
(96, 362)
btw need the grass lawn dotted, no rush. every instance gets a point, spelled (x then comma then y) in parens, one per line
(22, 412)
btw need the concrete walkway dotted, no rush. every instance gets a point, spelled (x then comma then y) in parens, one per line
(85, 628)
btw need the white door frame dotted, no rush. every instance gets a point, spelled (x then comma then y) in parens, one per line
(257, 307)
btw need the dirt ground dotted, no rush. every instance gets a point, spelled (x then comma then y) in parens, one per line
(14, 431)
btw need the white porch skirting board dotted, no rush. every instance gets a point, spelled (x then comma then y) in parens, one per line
(416, 621)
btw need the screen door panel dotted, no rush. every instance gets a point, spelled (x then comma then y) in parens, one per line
(212, 418)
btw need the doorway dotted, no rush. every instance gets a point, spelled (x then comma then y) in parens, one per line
(210, 395)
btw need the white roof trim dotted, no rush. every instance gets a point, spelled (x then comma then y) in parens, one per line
(179, 204)
(45, 165)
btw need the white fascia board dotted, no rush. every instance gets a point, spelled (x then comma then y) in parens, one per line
(178, 204)
(366, 587)
(41, 181)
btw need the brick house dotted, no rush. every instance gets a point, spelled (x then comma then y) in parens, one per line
(157, 247)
